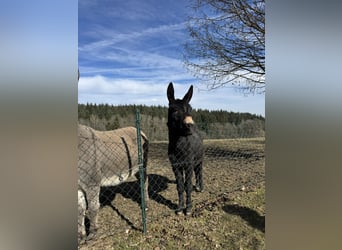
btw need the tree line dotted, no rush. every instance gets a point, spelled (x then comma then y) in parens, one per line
(216, 124)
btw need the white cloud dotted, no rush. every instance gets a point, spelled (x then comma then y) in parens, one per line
(114, 38)
(99, 89)
(106, 86)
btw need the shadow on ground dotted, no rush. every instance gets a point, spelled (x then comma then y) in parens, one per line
(250, 216)
(131, 190)
(157, 184)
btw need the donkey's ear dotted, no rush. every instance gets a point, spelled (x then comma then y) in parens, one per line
(170, 92)
(188, 95)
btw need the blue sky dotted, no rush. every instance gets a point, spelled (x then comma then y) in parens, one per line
(130, 50)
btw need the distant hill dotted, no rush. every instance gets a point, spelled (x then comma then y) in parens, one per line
(212, 124)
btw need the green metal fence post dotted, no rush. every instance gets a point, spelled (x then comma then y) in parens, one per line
(141, 171)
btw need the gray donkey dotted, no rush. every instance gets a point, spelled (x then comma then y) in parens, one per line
(105, 158)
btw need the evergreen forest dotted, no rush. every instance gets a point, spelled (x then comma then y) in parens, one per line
(217, 124)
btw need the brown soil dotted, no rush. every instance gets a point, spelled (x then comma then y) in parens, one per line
(229, 214)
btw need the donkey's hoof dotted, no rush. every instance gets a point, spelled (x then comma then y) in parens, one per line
(81, 241)
(179, 211)
(199, 189)
(188, 210)
(90, 237)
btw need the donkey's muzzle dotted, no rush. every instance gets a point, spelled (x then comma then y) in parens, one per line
(188, 120)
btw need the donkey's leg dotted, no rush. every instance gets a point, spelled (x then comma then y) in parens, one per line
(147, 198)
(188, 188)
(93, 210)
(180, 188)
(145, 155)
(199, 178)
(82, 206)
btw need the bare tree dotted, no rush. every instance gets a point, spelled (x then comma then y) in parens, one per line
(227, 44)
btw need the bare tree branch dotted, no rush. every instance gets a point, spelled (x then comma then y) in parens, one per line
(227, 44)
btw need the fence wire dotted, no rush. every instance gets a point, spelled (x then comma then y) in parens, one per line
(109, 177)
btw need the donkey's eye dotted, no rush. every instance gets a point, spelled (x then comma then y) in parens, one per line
(176, 115)
(187, 110)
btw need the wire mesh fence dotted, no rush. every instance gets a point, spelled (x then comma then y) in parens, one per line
(114, 191)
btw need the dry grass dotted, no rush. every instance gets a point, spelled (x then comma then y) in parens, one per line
(229, 214)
